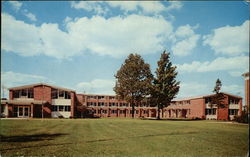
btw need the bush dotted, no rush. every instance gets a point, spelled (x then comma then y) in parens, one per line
(243, 118)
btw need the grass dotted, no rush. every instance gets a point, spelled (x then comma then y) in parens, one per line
(122, 137)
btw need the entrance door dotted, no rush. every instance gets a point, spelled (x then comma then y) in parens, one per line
(23, 111)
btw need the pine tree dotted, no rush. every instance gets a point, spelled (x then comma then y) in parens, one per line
(165, 87)
(218, 97)
(133, 80)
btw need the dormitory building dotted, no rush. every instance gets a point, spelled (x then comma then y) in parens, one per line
(48, 101)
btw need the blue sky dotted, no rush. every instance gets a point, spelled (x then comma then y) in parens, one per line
(81, 45)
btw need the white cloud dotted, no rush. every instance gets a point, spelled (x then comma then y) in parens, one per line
(232, 65)
(190, 89)
(145, 6)
(67, 19)
(229, 40)
(20, 37)
(116, 36)
(29, 15)
(184, 40)
(12, 79)
(233, 89)
(174, 5)
(16, 5)
(96, 86)
(90, 6)
(193, 89)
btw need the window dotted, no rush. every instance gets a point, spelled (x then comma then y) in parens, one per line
(207, 100)
(67, 108)
(54, 108)
(61, 108)
(31, 93)
(114, 111)
(211, 111)
(54, 94)
(100, 97)
(111, 97)
(16, 93)
(233, 112)
(104, 111)
(61, 93)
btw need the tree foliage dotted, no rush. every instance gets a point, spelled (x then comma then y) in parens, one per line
(133, 80)
(218, 98)
(165, 87)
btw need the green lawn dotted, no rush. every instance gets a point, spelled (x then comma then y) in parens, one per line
(122, 137)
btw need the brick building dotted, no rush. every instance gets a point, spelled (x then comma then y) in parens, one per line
(201, 107)
(44, 100)
(39, 100)
(110, 106)
(247, 101)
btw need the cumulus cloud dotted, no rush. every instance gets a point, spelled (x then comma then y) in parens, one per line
(15, 5)
(190, 89)
(145, 7)
(233, 65)
(20, 37)
(229, 40)
(12, 79)
(174, 5)
(193, 89)
(233, 89)
(96, 86)
(29, 15)
(115, 36)
(94, 6)
(184, 40)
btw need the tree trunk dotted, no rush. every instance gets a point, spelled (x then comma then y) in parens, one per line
(133, 109)
(158, 115)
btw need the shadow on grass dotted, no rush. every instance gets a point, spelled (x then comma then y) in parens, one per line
(29, 138)
(93, 141)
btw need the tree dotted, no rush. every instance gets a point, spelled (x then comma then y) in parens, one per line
(164, 87)
(218, 97)
(133, 80)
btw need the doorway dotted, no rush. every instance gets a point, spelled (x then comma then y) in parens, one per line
(23, 111)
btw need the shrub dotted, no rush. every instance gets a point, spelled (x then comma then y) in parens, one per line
(243, 118)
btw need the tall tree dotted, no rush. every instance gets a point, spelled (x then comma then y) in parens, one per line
(133, 80)
(218, 97)
(165, 87)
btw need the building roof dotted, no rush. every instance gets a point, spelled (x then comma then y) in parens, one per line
(40, 84)
(23, 102)
(205, 96)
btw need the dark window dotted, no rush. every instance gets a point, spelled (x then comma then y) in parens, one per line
(16, 93)
(54, 93)
(31, 93)
(211, 111)
(61, 93)
(67, 108)
(61, 108)
(233, 112)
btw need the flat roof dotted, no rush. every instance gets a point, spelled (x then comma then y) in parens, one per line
(40, 84)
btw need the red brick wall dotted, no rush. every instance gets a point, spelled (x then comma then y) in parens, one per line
(42, 93)
(247, 101)
(73, 102)
(197, 108)
(222, 113)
